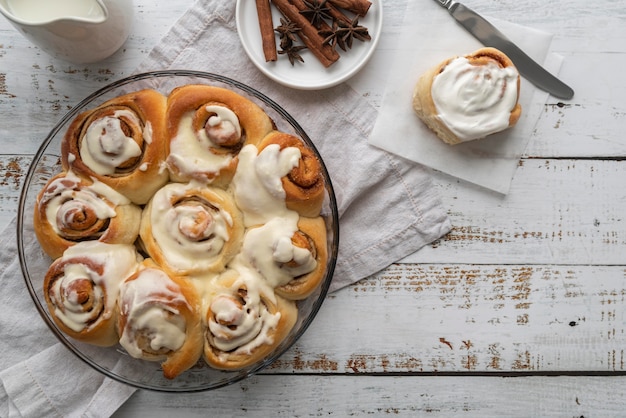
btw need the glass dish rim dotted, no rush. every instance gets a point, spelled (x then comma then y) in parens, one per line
(80, 106)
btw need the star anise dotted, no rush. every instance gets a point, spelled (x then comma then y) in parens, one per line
(331, 37)
(316, 12)
(348, 31)
(287, 29)
(292, 52)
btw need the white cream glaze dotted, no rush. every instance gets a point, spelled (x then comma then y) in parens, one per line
(223, 124)
(474, 100)
(191, 152)
(184, 245)
(63, 199)
(147, 303)
(105, 145)
(119, 261)
(257, 183)
(268, 247)
(245, 326)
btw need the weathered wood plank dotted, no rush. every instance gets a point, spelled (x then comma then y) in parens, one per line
(38, 90)
(489, 318)
(558, 212)
(581, 203)
(380, 396)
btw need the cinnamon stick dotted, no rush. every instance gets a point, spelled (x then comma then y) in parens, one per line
(360, 7)
(324, 26)
(337, 14)
(308, 33)
(266, 25)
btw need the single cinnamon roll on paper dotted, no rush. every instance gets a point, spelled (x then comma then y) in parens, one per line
(191, 229)
(121, 143)
(245, 321)
(70, 209)
(304, 183)
(160, 320)
(82, 286)
(290, 253)
(207, 127)
(470, 97)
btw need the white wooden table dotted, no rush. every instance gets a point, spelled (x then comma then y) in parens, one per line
(519, 310)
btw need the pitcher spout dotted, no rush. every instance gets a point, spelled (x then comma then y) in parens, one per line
(42, 12)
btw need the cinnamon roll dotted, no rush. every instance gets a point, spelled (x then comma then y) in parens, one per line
(82, 286)
(191, 229)
(304, 183)
(207, 127)
(290, 253)
(470, 97)
(160, 320)
(121, 143)
(245, 321)
(279, 176)
(70, 209)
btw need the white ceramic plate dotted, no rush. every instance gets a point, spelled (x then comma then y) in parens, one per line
(310, 75)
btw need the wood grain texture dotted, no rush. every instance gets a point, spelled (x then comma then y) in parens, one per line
(433, 318)
(531, 283)
(393, 396)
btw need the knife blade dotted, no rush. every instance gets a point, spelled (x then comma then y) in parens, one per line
(489, 35)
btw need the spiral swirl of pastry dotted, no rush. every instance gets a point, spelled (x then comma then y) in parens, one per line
(290, 253)
(245, 322)
(70, 209)
(191, 228)
(304, 183)
(159, 319)
(121, 143)
(81, 289)
(208, 126)
(470, 97)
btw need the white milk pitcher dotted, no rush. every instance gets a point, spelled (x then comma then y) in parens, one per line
(78, 31)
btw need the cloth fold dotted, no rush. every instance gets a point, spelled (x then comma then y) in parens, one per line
(388, 206)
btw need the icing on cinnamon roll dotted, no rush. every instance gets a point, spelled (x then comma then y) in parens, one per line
(207, 127)
(70, 209)
(470, 97)
(160, 319)
(257, 184)
(105, 145)
(121, 143)
(191, 228)
(475, 100)
(82, 286)
(304, 183)
(245, 321)
(279, 251)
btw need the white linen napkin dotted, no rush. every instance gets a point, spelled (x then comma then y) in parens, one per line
(39, 376)
(430, 36)
(388, 209)
(388, 206)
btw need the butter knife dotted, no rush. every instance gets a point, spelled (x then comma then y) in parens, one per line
(486, 33)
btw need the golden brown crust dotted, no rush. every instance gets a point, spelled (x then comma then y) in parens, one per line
(76, 218)
(178, 300)
(210, 202)
(194, 99)
(251, 300)
(423, 103)
(129, 197)
(85, 296)
(313, 230)
(138, 177)
(304, 185)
